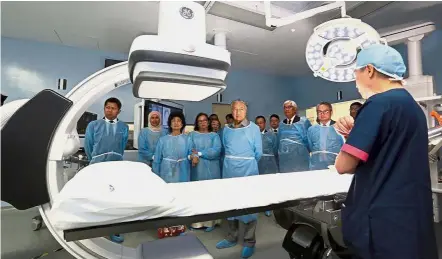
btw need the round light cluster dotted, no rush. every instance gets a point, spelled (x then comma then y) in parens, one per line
(344, 32)
(332, 49)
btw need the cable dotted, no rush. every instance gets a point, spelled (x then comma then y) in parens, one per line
(47, 253)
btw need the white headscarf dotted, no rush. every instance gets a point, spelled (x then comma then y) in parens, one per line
(157, 128)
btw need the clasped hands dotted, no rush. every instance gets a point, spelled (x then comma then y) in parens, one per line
(194, 157)
(344, 125)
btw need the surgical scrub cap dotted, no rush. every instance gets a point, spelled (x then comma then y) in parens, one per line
(384, 59)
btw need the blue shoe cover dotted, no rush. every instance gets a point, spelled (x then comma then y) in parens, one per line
(225, 244)
(117, 238)
(268, 213)
(182, 234)
(247, 252)
(209, 229)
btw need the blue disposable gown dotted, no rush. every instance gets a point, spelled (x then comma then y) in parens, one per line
(209, 145)
(243, 150)
(222, 153)
(324, 144)
(105, 141)
(171, 161)
(147, 142)
(293, 153)
(267, 164)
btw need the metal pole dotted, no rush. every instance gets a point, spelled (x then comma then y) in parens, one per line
(220, 40)
(414, 46)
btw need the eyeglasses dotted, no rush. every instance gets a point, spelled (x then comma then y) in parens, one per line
(203, 120)
(323, 112)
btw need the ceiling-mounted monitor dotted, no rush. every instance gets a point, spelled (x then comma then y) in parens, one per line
(111, 62)
(162, 108)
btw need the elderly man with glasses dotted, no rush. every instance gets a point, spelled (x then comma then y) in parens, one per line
(243, 149)
(324, 142)
(293, 152)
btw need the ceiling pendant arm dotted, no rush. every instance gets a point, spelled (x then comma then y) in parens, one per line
(278, 22)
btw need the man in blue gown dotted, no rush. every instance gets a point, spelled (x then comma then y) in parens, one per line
(243, 150)
(324, 142)
(293, 153)
(106, 139)
(267, 164)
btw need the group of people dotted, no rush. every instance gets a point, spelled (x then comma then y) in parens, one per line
(360, 144)
(240, 148)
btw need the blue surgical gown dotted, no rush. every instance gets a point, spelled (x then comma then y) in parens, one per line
(222, 153)
(209, 145)
(324, 144)
(388, 213)
(105, 141)
(171, 161)
(147, 142)
(243, 150)
(293, 153)
(267, 164)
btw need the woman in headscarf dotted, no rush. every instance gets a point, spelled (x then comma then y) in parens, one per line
(148, 138)
(206, 146)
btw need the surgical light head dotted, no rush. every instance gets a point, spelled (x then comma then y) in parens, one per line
(178, 64)
(384, 59)
(332, 49)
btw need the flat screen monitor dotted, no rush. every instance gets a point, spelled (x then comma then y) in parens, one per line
(85, 119)
(3, 99)
(163, 109)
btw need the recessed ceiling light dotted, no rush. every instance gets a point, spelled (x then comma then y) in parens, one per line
(293, 30)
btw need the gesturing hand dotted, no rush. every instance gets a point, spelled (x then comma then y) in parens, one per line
(344, 125)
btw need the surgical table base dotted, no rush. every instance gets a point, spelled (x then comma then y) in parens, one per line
(140, 225)
(181, 247)
(37, 223)
(314, 229)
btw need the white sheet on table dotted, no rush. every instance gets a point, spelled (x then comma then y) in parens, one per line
(87, 200)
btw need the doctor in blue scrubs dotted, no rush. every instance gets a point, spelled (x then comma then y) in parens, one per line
(388, 212)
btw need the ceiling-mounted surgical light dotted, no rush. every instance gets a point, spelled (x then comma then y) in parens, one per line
(331, 50)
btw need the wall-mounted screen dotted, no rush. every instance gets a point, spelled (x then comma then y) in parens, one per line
(163, 109)
(111, 62)
(84, 120)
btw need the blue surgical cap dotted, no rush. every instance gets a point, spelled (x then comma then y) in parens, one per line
(384, 59)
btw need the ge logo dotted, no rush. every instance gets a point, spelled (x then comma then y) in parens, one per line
(186, 13)
(111, 188)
